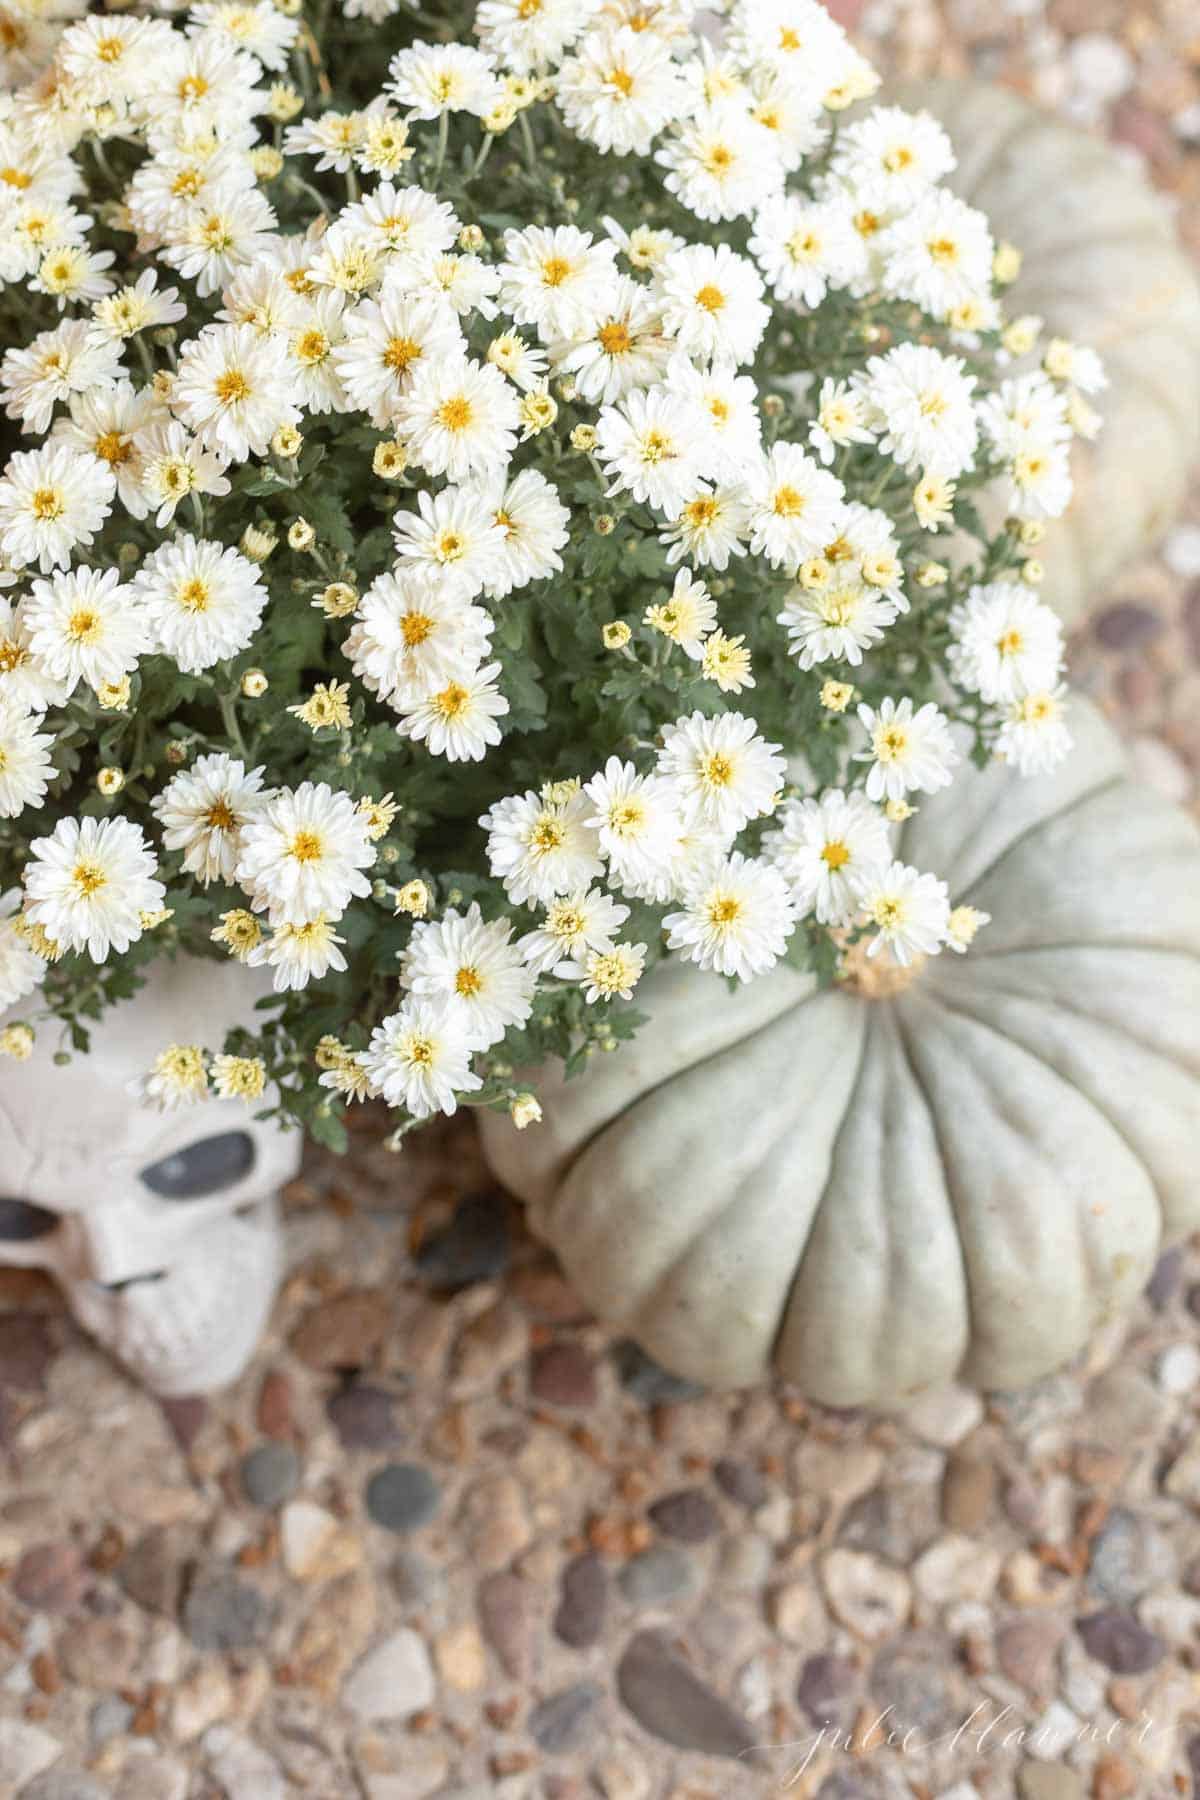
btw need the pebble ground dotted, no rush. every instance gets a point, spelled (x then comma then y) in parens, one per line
(450, 1537)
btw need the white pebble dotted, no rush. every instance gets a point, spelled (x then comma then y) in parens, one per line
(1054, 1733)
(1101, 67)
(1178, 1368)
(1181, 551)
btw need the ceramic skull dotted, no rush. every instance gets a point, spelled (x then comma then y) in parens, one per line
(162, 1228)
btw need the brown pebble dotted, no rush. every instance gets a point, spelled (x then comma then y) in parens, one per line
(968, 1490)
(45, 1673)
(1125, 1697)
(502, 1713)
(273, 1414)
(1113, 1779)
(511, 1762)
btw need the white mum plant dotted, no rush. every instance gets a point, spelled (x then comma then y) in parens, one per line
(472, 523)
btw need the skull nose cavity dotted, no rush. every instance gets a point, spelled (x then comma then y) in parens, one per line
(131, 1281)
(21, 1222)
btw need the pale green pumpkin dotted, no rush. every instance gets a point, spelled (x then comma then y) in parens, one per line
(1102, 265)
(962, 1179)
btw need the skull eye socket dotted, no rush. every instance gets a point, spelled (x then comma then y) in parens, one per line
(23, 1223)
(203, 1168)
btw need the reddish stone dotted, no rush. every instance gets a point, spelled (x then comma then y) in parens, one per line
(273, 1414)
(50, 1578)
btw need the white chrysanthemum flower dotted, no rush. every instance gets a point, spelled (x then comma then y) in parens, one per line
(385, 342)
(619, 89)
(299, 953)
(51, 368)
(420, 1059)
(460, 285)
(910, 912)
(88, 884)
(404, 223)
(576, 923)
(195, 87)
(459, 418)
(413, 633)
(795, 37)
(1041, 484)
(726, 410)
(835, 622)
(737, 921)
(311, 347)
(805, 247)
(177, 1078)
(712, 303)
(139, 307)
(939, 255)
(473, 971)
(100, 56)
(539, 845)
(795, 506)
(25, 682)
(624, 347)
(721, 771)
(891, 158)
(1077, 365)
(648, 448)
(1034, 736)
(203, 601)
(560, 280)
(524, 35)
(687, 617)
(74, 275)
(166, 192)
(212, 243)
(866, 541)
(458, 719)
(84, 625)
(922, 403)
(303, 852)
(202, 811)
(635, 820)
(260, 28)
(334, 138)
(826, 849)
(643, 248)
(107, 421)
(717, 165)
(25, 766)
(536, 526)
(1007, 643)
(431, 80)
(523, 363)
(52, 499)
(1024, 410)
(234, 388)
(709, 528)
(172, 465)
(607, 974)
(908, 750)
(963, 926)
(21, 969)
(454, 533)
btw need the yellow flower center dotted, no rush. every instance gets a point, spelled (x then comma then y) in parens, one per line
(835, 855)
(620, 79)
(724, 910)
(83, 626)
(400, 353)
(614, 338)
(455, 414)
(312, 347)
(468, 982)
(710, 298)
(891, 743)
(420, 1051)
(87, 878)
(46, 503)
(716, 769)
(788, 502)
(415, 627)
(555, 271)
(12, 656)
(194, 595)
(450, 547)
(546, 835)
(220, 816)
(305, 847)
(453, 700)
(112, 448)
(626, 816)
(231, 387)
